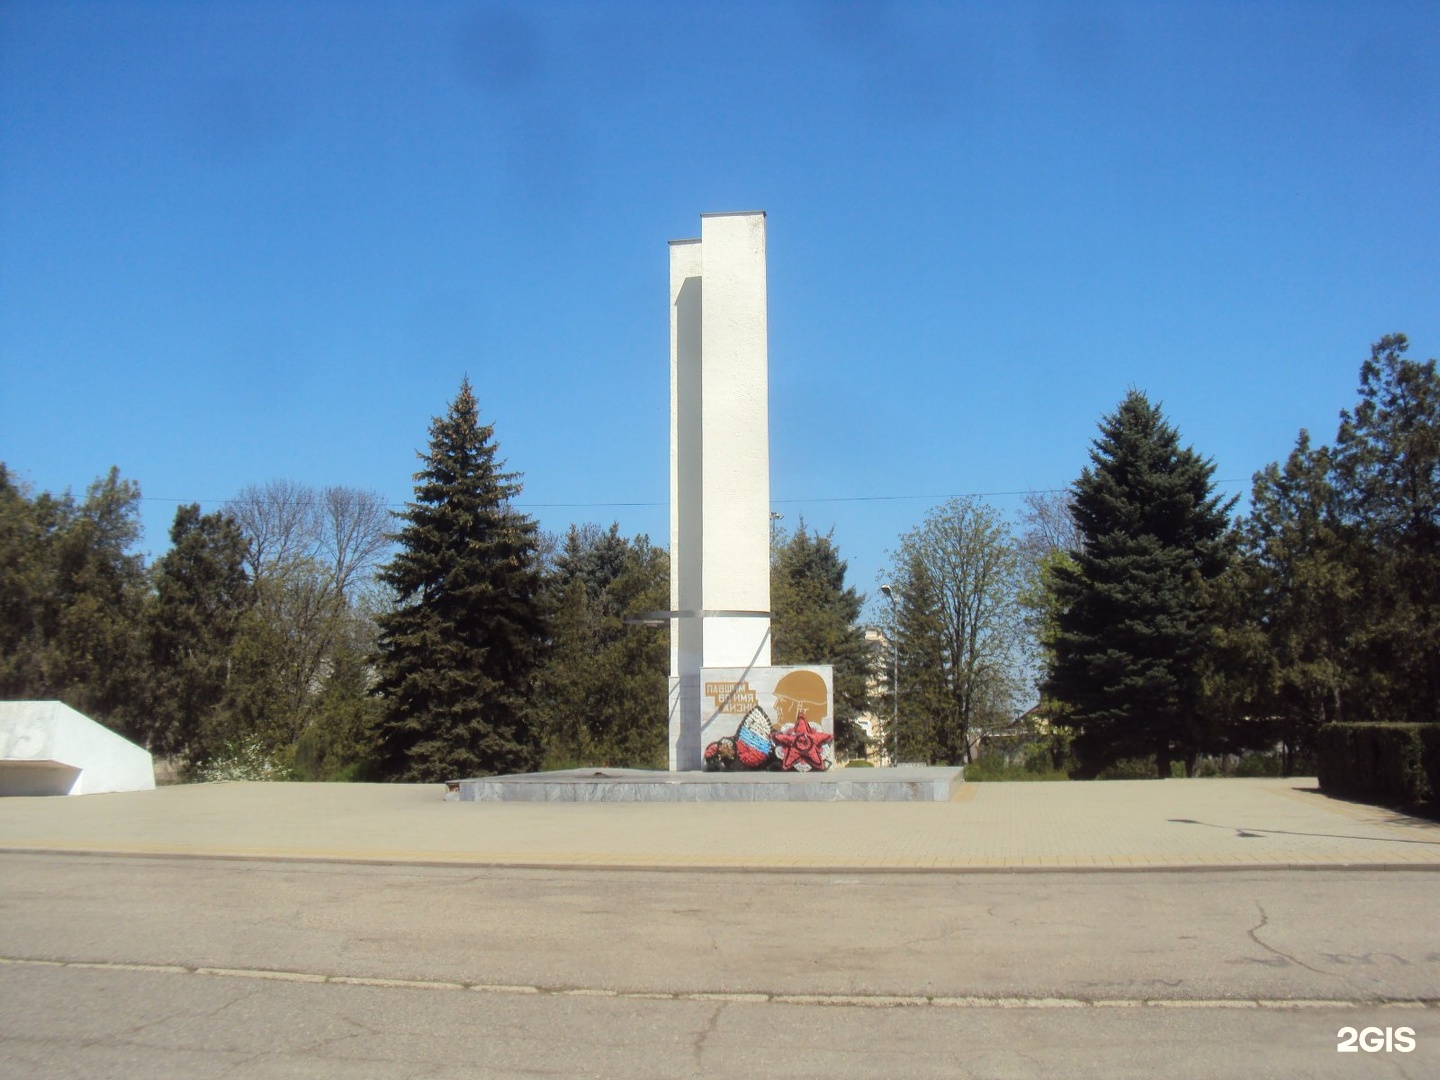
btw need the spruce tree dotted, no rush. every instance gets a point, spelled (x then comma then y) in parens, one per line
(602, 691)
(458, 652)
(817, 621)
(1134, 622)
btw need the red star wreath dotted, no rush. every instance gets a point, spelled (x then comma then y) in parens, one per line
(803, 743)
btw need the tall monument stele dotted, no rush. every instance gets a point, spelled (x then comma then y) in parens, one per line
(719, 464)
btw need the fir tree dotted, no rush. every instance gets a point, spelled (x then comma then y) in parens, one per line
(602, 692)
(817, 621)
(458, 652)
(1134, 622)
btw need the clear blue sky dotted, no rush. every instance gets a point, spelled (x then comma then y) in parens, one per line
(245, 241)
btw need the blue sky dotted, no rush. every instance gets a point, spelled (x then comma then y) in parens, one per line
(248, 241)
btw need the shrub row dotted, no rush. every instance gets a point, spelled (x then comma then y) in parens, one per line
(1387, 763)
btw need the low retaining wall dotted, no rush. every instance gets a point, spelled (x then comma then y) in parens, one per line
(646, 785)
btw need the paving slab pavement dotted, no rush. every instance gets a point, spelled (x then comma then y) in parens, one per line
(1101, 825)
(257, 943)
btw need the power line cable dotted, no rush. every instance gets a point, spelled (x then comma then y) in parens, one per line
(777, 502)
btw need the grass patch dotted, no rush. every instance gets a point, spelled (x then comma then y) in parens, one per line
(987, 769)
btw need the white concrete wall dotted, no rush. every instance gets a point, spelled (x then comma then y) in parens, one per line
(719, 461)
(47, 748)
(686, 486)
(735, 424)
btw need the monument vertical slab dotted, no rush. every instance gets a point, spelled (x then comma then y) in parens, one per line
(719, 463)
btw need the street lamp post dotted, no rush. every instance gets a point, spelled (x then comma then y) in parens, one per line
(895, 680)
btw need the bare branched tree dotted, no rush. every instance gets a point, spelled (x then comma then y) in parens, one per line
(1047, 527)
(340, 532)
(354, 530)
(280, 520)
(312, 557)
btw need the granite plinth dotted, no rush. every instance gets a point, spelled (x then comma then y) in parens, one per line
(922, 784)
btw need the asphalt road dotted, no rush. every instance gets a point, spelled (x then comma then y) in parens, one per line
(132, 967)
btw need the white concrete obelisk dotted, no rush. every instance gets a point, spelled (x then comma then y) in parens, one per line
(719, 464)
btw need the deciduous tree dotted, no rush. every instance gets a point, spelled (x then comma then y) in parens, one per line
(312, 556)
(959, 621)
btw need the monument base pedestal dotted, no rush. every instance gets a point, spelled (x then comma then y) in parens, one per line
(905, 784)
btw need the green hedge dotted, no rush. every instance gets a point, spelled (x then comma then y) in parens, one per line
(1430, 757)
(1388, 763)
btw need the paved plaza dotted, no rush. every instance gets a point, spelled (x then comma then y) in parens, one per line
(1115, 825)
(1210, 928)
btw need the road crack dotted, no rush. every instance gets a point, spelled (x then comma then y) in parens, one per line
(1264, 922)
(756, 995)
(698, 1050)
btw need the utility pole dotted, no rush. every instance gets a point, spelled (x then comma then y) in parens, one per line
(895, 679)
